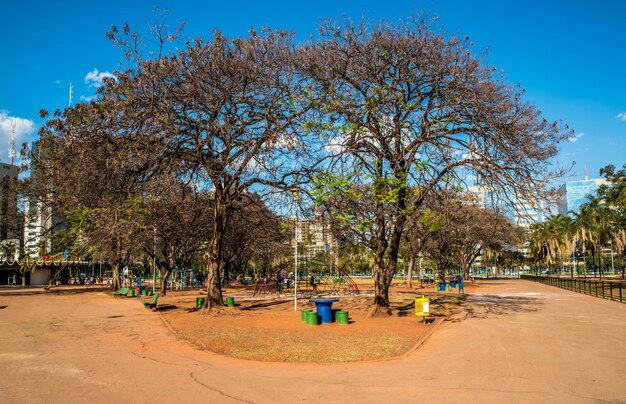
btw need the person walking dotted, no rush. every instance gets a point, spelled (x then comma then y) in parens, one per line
(279, 282)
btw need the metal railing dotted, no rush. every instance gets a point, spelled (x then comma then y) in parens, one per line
(611, 290)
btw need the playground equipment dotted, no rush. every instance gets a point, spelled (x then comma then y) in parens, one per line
(340, 284)
(182, 279)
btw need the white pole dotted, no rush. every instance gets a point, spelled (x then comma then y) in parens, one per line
(295, 280)
(154, 262)
(419, 247)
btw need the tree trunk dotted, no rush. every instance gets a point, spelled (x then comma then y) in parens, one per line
(600, 263)
(116, 271)
(464, 262)
(385, 274)
(214, 296)
(226, 276)
(409, 273)
(382, 281)
(214, 289)
(165, 276)
(441, 269)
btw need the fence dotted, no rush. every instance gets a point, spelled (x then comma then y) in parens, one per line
(612, 290)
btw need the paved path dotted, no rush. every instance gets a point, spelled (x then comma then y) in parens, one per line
(516, 341)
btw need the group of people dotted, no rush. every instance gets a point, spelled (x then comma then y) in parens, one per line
(280, 282)
(87, 281)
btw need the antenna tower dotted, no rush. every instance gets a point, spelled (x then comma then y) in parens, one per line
(12, 143)
(69, 104)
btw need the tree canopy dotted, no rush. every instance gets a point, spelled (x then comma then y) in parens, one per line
(369, 120)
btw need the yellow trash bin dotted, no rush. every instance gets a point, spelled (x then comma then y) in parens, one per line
(422, 306)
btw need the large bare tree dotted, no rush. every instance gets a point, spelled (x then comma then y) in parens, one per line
(406, 108)
(454, 231)
(91, 166)
(175, 230)
(226, 112)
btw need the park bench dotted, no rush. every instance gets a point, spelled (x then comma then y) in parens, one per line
(121, 292)
(153, 304)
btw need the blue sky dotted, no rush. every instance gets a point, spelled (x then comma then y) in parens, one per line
(570, 56)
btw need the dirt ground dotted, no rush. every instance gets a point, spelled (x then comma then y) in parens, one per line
(269, 329)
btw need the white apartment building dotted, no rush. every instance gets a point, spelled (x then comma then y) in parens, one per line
(37, 225)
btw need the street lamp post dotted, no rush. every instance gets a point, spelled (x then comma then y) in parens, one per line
(574, 259)
(419, 248)
(295, 253)
(154, 262)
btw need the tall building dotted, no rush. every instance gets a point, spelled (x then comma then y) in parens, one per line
(525, 212)
(9, 222)
(37, 225)
(477, 195)
(574, 193)
(315, 236)
(522, 211)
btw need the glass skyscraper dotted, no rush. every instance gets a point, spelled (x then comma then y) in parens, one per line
(574, 193)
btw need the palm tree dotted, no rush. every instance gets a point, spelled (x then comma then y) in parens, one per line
(614, 194)
(563, 234)
(551, 241)
(596, 223)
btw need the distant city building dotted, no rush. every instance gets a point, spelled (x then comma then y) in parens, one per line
(522, 212)
(9, 222)
(37, 225)
(314, 236)
(525, 212)
(573, 194)
(477, 195)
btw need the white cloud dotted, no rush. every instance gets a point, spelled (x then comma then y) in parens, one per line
(87, 98)
(621, 116)
(337, 144)
(575, 137)
(57, 82)
(24, 131)
(94, 78)
(287, 142)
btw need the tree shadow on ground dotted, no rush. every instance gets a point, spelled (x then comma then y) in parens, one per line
(263, 305)
(439, 305)
(79, 290)
(166, 307)
(492, 306)
(30, 291)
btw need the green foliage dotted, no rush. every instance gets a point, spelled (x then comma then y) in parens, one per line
(387, 190)
(433, 220)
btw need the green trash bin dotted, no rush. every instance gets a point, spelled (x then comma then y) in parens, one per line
(311, 318)
(303, 316)
(199, 302)
(230, 301)
(341, 317)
